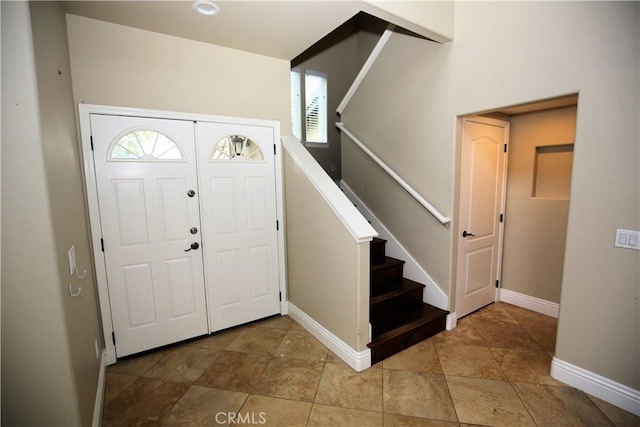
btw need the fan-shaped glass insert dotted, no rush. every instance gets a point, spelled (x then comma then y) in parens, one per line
(236, 147)
(145, 145)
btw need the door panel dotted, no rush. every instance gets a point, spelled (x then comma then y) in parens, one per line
(481, 202)
(236, 166)
(144, 168)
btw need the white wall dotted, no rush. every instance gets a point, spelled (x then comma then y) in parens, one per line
(123, 66)
(508, 53)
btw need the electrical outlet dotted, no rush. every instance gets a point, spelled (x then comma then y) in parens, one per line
(628, 239)
(72, 260)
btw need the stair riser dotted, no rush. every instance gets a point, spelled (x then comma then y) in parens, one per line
(405, 301)
(377, 253)
(404, 341)
(386, 274)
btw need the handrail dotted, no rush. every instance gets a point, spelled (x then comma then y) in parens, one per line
(409, 189)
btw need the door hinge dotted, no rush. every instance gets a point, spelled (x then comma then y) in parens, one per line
(280, 296)
(501, 217)
(102, 244)
(277, 225)
(113, 337)
(91, 140)
(497, 283)
(274, 149)
(505, 148)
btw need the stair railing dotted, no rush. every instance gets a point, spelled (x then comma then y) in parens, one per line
(445, 220)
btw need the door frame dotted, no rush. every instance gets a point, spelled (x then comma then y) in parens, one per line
(452, 318)
(93, 207)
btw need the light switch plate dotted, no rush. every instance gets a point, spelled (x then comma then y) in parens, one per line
(72, 260)
(629, 239)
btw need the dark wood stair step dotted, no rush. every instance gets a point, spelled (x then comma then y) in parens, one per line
(387, 271)
(377, 250)
(396, 289)
(400, 329)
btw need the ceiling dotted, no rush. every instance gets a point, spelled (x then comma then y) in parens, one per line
(262, 27)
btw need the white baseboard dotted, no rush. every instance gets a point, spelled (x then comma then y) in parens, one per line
(452, 321)
(412, 270)
(608, 390)
(530, 303)
(102, 379)
(358, 360)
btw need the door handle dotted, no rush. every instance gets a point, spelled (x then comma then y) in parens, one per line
(465, 234)
(193, 230)
(191, 193)
(194, 246)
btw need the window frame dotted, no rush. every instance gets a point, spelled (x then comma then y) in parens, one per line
(302, 92)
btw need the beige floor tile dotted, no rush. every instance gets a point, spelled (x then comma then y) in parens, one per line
(301, 345)
(465, 332)
(505, 335)
(331, 416)
(391, 420)
(144, 402)
(544, 333)
(560, 406)
(417, 394)
(116, 383)
(525, 366)
(487, 402)
(342, 386)
(183, 364)
(468, 361)
(522, 314)
(216, 341)
(275, 322)
(333, 358)
(295, 326)
(269, 411)
(234, 371)
(139, 364)
(619, 417)
(421, 357)
(202, 406)
(257, 340)
(286, 378)
(493, 313)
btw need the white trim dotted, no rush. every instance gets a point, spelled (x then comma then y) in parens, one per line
(412, 270)
(530, 303)
(404, 184)
(84, 115)
(353, 220)
(366, 67)
(452, 321)
(102, 379)
(608, 390)
(358, 360)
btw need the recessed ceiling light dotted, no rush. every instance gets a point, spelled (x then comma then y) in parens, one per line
(206, 7)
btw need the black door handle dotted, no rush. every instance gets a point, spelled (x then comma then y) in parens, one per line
(465, 234)
(194, 246)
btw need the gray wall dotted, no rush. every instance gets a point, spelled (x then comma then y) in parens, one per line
(510, 53)
(535, 227)
(50, 369)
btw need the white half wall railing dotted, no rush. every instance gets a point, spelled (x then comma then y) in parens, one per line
(445, 220)
(365, 68)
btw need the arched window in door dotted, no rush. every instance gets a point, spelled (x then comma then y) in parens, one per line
(145, 145)
(236, 147)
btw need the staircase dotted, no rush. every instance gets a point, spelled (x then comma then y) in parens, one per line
(399, 318)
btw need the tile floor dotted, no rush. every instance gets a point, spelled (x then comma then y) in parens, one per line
(492, 370)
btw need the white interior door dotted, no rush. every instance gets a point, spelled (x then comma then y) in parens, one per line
(482, 189)
(238, 196)
(145, 170)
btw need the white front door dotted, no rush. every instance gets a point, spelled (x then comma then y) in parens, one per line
(482, 189)
(238, 196)
(149, 213)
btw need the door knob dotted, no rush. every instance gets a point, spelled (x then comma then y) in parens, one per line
(194, 246)
(465, 234)
(193, 230)
(191, 193)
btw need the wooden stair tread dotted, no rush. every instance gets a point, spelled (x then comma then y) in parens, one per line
(402, 287)
(401, 321)
(388, 262)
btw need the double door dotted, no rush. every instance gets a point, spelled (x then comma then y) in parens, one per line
(187, 214)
